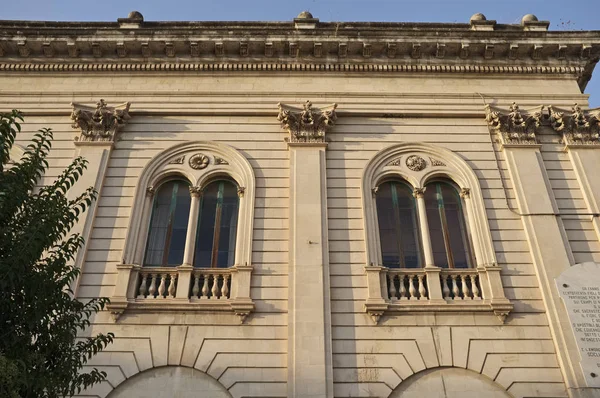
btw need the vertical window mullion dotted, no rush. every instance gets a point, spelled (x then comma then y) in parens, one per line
(217, 227)
(416, 231)
(198, 221)
(444, 223)
(463, 230)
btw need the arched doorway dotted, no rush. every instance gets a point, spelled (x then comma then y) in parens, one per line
(172, 382)
(448, 383)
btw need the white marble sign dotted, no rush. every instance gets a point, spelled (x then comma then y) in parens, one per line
(579, 287)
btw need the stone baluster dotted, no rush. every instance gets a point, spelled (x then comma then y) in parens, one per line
(465, 288)
(163, 285)
(474, 288)
(143, 287)
(445, 288)
(455, 289)
(411, 287)
(196, 287)
(205, 287)
(401, 277)
(225, 289)
(171, 289)
(422, 291)
(215, 286)
(152, 289)
(392, 290)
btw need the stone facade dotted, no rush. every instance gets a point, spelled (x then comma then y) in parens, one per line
(308, 309)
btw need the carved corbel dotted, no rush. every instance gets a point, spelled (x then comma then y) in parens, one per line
(515, 128)
(578, 127)
(99, 124)
(308, 125)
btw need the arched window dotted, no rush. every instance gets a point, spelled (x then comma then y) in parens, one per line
(447, 229)
(399, 236)
(168, 225)
(217, 225)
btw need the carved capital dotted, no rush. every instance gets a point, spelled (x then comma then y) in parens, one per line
(101, 123)
(241, 191)
(419, 192)
(308, 124)
(150, 191)
(514, 127)
(578, 127)
(195, 192)
(465, 193)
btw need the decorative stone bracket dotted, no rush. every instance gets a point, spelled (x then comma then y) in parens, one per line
(306, 125)
(515, 127)
(578, 127)
(101, 123)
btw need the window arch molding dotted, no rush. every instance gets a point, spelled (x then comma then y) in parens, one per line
(223, 162)
(184, 287)
(439, 162)
(476, 289)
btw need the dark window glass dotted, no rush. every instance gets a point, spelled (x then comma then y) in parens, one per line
(217, 225)
(398, 232)
(168, 225)
(446, 226)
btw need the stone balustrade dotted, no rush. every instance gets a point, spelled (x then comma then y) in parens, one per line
(460, 284)
(407, 284)
(157, 283)
(210, 283)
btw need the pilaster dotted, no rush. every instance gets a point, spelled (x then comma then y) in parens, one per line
(310, 369)
(98, 126)
(551, 254)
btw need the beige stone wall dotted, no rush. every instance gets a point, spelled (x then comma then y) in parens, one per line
(368, 360)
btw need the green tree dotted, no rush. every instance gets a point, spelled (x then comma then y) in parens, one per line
(40, 353)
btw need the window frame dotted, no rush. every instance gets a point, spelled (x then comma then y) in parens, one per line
(432, 162)
(219, 161)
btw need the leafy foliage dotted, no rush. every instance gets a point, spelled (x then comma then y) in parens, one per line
(40, 353)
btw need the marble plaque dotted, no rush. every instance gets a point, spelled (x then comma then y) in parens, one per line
(579, 287)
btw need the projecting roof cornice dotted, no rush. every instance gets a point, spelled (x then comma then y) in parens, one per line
(131, 44)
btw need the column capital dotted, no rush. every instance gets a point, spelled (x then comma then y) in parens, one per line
(513, 126)
(580, 128)
(419, 193)
(307, 125)
(100, 123)
(465, 193)
(195, 192)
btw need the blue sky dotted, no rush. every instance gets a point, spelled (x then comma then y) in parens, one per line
(572, 15)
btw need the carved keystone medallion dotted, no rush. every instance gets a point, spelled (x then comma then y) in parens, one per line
(415, 163)
(199, 161)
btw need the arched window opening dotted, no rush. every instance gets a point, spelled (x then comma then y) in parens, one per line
(399, 236)
(168, 225)
(447, 229)
(217, 225)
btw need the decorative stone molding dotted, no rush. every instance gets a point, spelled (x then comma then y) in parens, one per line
(219, 160)
(488, 296)
(435, 162)
(178, 160)
(578, 127)
(514, 127)
(306, 125)
(234, 298)
(99, 124)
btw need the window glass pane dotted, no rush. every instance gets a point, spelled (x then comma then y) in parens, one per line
(433, 205)
(397, 225)
(168, 226)
(446, 226)
(456, 226)
(217, 227)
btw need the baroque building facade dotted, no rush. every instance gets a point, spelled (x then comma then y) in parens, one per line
(398, 236)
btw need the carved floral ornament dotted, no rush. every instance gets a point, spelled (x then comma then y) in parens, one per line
(99, 124)
(308, 125)
(516, 127)
(578, 127)
(416, 162)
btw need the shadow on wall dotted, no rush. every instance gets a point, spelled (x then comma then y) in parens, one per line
(172, 382)
(448, 383)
